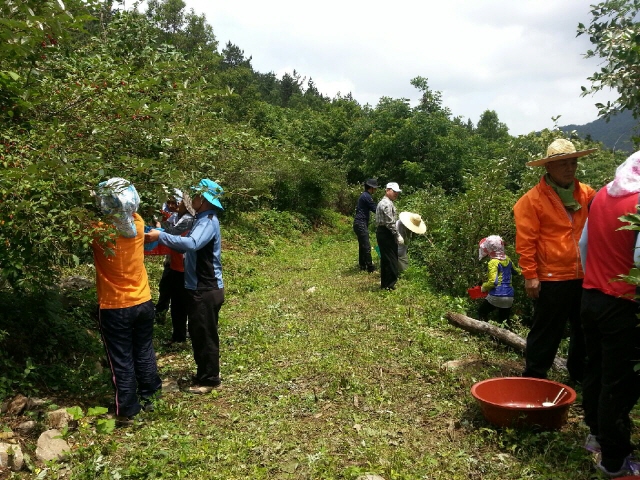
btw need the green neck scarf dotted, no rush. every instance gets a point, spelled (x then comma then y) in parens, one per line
(565, 194)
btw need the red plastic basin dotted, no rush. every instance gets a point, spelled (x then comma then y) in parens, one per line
(476, 292)
(517, 401)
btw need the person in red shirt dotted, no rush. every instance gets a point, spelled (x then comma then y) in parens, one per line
(610, 321)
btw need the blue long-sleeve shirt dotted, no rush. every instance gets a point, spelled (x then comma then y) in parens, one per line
(364, 207)
(203, 248)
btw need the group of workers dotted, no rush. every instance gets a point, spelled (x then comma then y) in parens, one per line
(126, 313)
(393, 232)
(573, 271)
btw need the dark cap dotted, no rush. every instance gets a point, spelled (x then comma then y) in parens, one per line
(371, 183)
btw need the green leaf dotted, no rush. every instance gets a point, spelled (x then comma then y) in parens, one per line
(95, 411)
(105, 426)
(75, 412)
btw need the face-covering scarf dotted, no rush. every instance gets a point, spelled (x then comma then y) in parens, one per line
(627, 179)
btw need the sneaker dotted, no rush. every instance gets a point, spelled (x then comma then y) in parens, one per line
(592, 445)
(123, 421)
(202, 389)
(630, 466)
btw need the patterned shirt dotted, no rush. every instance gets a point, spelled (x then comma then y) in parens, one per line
(386, 215)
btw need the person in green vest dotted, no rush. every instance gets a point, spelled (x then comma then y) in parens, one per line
(498, 286)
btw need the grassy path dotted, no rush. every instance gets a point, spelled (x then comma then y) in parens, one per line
(325, 376)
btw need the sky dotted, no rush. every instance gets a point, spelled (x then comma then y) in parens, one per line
(520, 58)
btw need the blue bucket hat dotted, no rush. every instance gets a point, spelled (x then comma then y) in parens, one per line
(210, 190)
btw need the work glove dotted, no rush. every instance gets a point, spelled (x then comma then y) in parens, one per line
(400, 240)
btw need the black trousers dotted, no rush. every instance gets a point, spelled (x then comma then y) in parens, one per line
(364, 246)
(558, 303)
(486, 308)
(611, 386)
(388, 258)
(127, 334)
(178, 295)
(164, 289)
(203, 308)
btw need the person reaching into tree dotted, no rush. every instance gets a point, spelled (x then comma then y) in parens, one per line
(202, 280)
(408, 223)
(126, 311)
(169, 214)
(175, 276)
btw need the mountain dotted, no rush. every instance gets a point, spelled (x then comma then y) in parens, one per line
(615, 134)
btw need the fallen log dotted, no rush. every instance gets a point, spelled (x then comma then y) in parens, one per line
(501, 334)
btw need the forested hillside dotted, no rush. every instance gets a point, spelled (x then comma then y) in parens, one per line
(89, 91)
(615, 133)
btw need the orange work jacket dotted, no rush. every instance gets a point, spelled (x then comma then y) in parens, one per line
(547, 234)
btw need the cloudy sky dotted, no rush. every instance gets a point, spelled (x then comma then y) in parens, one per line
(520, 58)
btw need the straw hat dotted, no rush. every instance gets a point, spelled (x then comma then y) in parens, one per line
(559, 150)
(413, 222)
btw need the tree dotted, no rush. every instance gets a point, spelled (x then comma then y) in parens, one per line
(490, 127)
(615, 34)
(233, 57)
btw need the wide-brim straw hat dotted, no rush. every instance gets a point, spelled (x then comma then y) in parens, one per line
(413, 222)
(559, 150)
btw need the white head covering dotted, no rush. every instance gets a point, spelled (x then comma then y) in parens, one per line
(627, 179)
(492, 246)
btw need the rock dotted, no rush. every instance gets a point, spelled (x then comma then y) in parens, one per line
(17, 405)
(25, 428)
(11, 457)
(170, 385)
(51, 448)
(59, 418)
(370, 476)
(311, 290)
(75, 282)
(4, 406)
(37, 403)
(457, 364)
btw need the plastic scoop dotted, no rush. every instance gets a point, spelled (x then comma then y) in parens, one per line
(561, 394)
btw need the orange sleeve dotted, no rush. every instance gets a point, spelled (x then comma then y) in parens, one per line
(527, 234)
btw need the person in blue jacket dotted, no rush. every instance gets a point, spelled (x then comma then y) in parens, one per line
(202, 280)
(500, 270)
(364, 207)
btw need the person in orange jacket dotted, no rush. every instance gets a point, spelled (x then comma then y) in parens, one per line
(549, 221)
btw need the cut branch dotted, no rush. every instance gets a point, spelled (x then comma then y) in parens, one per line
(501, 334)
